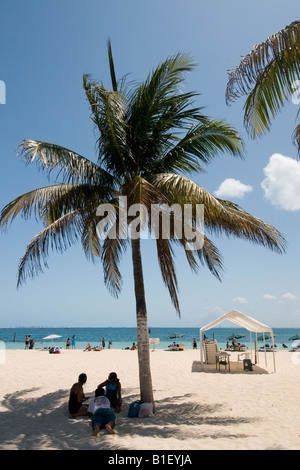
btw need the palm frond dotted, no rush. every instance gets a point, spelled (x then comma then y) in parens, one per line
(155, 105)
(108, 113)
(273, 88)
(73, 167)
(141, 191)
(58, 236)
(208, 255)
(51, 202)
(112, 249)
(268, 75)
(166, 264)
(199, 146)
(90, 239)
(284, 44)
(235, 221)
(220, 216)
(112, 66)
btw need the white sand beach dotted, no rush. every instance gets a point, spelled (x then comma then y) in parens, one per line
(194, 410)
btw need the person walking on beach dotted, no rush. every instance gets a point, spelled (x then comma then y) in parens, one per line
(31, 343)
(101, 412)
(73, 342)
(113, 391)
(194, 343)
(68, 343)
(103, 342)
(77, 397)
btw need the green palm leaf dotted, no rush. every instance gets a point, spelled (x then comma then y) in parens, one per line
(58, 236)
(268, 75)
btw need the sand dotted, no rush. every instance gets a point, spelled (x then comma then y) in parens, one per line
(200, 410)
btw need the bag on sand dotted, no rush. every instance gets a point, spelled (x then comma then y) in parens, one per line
(146, 410)
(134, 409)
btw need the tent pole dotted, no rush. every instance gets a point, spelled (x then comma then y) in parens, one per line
(201, 349)
(256, 350)
(273, 353)
(265, 349)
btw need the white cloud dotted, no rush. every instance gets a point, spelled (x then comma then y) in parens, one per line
(232, 188)
(289, 296)
(269, 297)
(282, 183)
(240, 300)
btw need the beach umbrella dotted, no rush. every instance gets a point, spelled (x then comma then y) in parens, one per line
(261, 338)
(52, 337)
(235, 336)
(294, 338)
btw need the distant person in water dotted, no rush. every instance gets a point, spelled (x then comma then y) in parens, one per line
(77, 397)
(27, 341)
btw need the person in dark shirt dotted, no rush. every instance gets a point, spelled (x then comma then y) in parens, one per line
(77, 397)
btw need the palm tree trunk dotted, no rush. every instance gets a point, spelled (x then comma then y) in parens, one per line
(142, 325)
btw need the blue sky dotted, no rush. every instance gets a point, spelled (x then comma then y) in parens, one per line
(46, 47)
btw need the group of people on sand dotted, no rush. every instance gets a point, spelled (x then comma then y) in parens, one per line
(133, 347)
(97, 348)
(103, 405)
(235, 346)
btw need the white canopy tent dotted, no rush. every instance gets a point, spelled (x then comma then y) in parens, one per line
(243, 321)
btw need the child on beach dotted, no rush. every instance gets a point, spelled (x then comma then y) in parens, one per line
(113, 391)
(101, 412)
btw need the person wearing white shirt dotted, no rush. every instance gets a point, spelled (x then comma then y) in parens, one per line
(101, 412)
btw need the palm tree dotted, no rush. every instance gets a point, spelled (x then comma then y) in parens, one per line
(150, 139)
(270, 76)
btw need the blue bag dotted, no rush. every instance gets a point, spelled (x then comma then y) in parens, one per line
(134, 409)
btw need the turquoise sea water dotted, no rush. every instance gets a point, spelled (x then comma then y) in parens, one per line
(14, 338)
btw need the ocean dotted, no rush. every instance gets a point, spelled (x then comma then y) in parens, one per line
(121, 338)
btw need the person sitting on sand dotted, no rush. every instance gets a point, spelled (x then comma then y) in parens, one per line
(77, 397)
(101, 412)
(88, 347)
(113, 391)
(133, 347)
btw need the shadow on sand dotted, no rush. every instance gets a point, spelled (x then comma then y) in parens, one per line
(32, 423)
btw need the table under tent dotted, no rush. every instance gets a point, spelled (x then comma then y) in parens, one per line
(243, 321)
